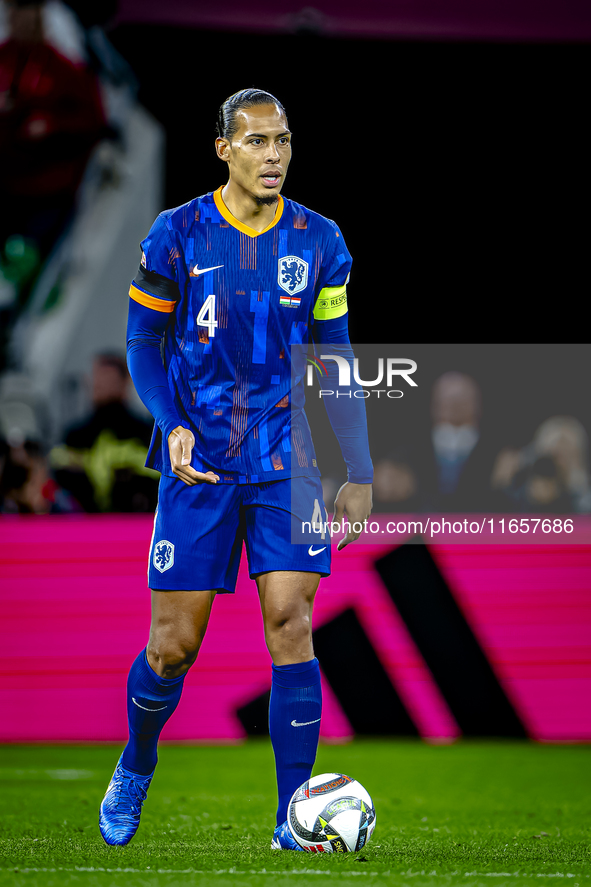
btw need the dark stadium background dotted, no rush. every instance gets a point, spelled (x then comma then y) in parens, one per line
(455, 170)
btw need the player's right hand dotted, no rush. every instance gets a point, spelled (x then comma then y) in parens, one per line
(180, 443)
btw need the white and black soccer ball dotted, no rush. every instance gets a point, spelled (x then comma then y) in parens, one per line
(331, 813)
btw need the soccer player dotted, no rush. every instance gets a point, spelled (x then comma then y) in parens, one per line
(230, 285)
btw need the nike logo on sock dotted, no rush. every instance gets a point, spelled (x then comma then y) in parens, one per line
(304, 724)
(147, 709)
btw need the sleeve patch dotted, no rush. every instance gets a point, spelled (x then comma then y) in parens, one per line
(331, 302)
(138, 295)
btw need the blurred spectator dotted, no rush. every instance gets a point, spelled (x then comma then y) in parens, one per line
(51, 116)
(18, 421)
(102, 461)
(442, 462)
(455, 411)
(26, 485)
(456, 474)
(565, 439)
(549, 474)
(506, 466)
(451, 467)
(62, 28)
(543, 489)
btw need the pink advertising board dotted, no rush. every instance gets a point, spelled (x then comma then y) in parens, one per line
(75, 613)
(454, 20)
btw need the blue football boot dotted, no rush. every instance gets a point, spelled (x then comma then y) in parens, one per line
(122, 805)
(283, 839)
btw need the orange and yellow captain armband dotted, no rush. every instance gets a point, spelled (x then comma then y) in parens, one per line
(144, 298)
(331, 302)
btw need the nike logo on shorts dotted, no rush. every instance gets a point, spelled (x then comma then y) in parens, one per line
(304, 724)
(147, 709)
(197, 271)
(312, 553)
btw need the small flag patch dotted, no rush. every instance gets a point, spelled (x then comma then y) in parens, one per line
(289, 301)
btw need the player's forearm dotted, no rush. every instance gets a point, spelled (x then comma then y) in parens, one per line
(349, 423)
(345, 411)
(144, 333)
(151, 384)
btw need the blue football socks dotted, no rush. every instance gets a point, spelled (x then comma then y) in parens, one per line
(150, 702)
(294, 724)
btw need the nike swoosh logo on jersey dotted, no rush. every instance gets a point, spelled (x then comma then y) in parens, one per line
(304, 724)
(197, 270)
(147, 709)
(312, 553)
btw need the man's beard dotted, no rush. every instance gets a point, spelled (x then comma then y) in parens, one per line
(266, 201)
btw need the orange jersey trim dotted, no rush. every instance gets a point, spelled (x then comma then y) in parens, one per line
(235, 223)
(143, 298)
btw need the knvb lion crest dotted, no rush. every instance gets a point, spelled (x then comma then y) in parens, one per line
(163, 555)
(293, 274)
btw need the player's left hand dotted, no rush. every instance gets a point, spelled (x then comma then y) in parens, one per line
(354, 500)
(180, 443)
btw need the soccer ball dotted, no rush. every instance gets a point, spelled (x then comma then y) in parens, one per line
(331, 813)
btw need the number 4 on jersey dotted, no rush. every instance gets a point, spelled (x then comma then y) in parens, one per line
(318, 524)
(206, 316)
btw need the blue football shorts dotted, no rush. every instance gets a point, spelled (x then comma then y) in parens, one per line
(199, 530)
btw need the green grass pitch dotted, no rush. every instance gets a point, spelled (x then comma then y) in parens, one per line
(471, 813)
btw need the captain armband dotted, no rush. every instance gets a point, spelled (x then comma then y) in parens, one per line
(331, 302)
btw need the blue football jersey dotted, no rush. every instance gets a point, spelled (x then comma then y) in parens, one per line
(237, 301)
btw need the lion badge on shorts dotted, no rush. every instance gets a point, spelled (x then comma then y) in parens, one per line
(163, 558)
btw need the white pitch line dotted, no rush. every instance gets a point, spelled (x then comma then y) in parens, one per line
(149, 871)
(328, 872)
